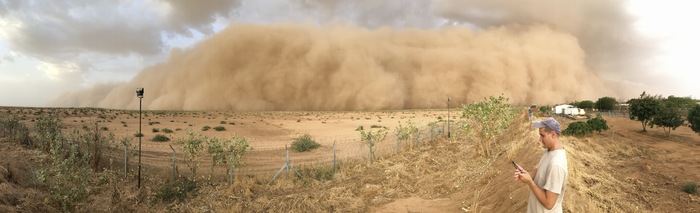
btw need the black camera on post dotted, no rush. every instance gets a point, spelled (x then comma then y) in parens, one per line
(139, 92)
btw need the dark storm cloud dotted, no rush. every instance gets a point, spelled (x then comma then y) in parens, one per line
(186, 14)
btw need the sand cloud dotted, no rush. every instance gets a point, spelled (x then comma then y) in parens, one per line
(303, 67)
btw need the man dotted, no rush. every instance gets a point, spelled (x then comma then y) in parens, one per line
(550, 175)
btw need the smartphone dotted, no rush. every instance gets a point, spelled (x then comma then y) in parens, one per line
(516, 166)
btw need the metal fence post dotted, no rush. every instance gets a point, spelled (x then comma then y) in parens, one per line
(174, 164)
(126, 161)
(334, 158)
(370, 151)
(398, 143)
(230, 172)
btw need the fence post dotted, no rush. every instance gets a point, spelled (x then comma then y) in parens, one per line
(174, 164)
(126, 161)
(417, 138)
(370, 151)
(334, 158)
(398, 143)
(230, 171)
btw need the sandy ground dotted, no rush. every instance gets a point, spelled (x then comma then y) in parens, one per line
(619, 170)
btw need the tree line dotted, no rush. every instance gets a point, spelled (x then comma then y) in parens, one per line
(652, 111)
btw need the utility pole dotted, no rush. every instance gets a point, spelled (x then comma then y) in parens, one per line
(139, 94)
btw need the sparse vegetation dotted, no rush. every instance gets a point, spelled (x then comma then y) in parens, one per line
(219, 128)
(176, 191)
(205, 128)
(166, 130)
(160, 138)
(690, 187)
(304, 143)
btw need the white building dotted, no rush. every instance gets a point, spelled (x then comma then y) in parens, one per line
(567, 109)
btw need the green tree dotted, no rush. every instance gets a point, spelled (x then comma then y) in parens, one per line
(681, 103)
(489, 119)
(605, 103)
(192, 146)
(371, 138)
(215, 149)
(406, 132)
(668, 117)
(587, 104)
(694, 118)
(643, 109)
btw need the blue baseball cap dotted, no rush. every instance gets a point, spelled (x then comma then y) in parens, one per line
(549, 123)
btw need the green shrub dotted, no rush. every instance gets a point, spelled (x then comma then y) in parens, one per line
(175, 191)
(205, 128)
(487, 119)
(690, 187)
(219, 128)
(375, 126)
(138, 134)
(360, 128)
(166, 130)
(579, 128)
(160, 138)
(304, 143)
(598, 124)
(154, 130)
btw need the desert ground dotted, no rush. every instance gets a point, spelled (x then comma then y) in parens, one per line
(618, 170)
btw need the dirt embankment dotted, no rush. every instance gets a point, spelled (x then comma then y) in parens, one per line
(619, 170)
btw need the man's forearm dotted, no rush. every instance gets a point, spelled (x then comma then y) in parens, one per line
(541, 195)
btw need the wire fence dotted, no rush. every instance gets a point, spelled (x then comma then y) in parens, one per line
(266, 158)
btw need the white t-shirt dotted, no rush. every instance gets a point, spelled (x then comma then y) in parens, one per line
(551, 174)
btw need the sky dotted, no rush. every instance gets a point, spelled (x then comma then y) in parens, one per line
(81, 53)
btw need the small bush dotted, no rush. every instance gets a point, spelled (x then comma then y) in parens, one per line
(176, 191)
(690, 187)
(166, 130)
(304, 143)
(154, 130)
(579, 128)
(205, 128)
(375, 126)
(160, 138)
(138, 135)
(598, 124)
(219, 128)
(360, 128)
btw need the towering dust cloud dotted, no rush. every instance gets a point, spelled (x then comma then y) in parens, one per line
(334, 67)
